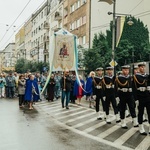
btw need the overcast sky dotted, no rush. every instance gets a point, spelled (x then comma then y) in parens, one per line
(9, 11)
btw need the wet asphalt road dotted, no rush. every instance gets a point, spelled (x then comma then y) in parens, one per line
(30, 130)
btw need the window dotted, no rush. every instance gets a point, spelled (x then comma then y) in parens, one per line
(41, 38)
(72, 26)
(77, 41)
(78, 23)
(41, 26)
(78, 3)
(72, 8)
(83, 20)
(45, 11)
(42, 14)
(84, 39)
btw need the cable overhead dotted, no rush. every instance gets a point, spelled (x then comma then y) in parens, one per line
(15, 20)
(21, 25)
(136, 6)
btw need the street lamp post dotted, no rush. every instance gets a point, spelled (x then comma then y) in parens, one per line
(113, 34)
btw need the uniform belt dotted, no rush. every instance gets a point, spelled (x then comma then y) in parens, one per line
(109, 86)
(142, 89)
(125, 89)
(98, 87)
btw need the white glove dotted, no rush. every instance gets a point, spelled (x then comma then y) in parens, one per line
(137, 103)
(117, 100)
(104, 98)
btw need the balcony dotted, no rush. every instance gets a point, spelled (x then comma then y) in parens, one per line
(58, 16)
(46, 38)
(46, 25)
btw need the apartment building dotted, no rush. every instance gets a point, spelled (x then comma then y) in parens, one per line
(28, 31)
(55, 16)
(38, 33)
(76, 20)
(8, 58)
(20, 51)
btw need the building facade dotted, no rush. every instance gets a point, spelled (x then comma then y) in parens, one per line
(8, 58)
(38, 33)
(76, 20)
(20, 51)
(28, 31)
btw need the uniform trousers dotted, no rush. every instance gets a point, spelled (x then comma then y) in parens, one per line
(126, 98)
(143, 104)
(98, 97)
(110, 98)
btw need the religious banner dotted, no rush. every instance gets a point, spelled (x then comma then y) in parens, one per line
(64, 52)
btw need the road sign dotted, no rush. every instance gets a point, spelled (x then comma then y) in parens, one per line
(113, 63)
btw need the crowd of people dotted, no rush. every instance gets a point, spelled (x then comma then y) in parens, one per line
(123, 92)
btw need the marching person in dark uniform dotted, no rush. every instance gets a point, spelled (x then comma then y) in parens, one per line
(142, 94)
(123, 85)
(97, 81)
(136, 70)
(109, 91)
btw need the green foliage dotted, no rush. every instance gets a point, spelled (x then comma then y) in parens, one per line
(99, 55)
(134, 44)
(24, 65)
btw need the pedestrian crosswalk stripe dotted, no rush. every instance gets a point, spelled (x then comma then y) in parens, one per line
(83, 123)
(94, 127)
(64, 112)
(112, 134)
(80, 117)
(125, 136)
(109, 131)
(145, 144)
(77, 113)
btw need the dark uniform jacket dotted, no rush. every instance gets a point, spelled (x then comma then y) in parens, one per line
(141, 87)
(123, 84)
(97, 85)
(108, 85)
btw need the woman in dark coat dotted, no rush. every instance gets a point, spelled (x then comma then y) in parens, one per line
(50, 88)
(72, 96)
(31, 91)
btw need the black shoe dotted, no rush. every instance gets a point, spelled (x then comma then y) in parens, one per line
(99, 118)
(128, 116)
(108, 122)
(144, 133)
(136, 126)
(62, 106)
(118, 121)
(67, 107)
(145, 120)
(125, 127)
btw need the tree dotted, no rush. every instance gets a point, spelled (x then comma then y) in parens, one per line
(99, 55)
(23, 65)
(134, 42)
